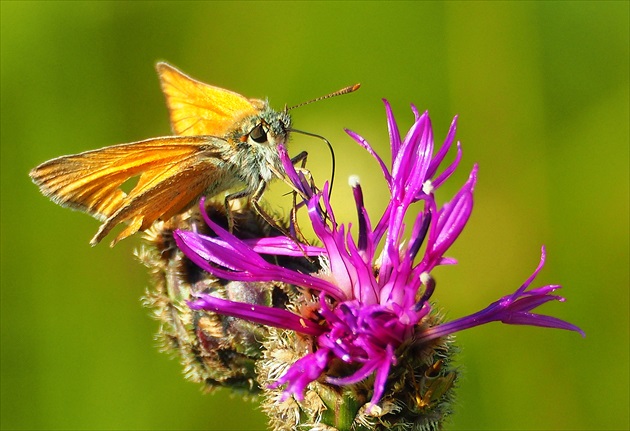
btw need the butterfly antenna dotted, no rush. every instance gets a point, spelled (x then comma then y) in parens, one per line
(345, 90)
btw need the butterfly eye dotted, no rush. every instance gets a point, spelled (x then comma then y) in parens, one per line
(258, 134)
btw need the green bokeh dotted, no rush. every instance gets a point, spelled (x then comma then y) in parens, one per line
(542, 93)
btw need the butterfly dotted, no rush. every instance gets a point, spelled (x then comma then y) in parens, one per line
(222, 140)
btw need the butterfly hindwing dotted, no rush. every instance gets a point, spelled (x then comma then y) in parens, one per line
(91, 181)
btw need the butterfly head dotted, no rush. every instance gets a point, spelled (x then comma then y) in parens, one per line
(268, 128)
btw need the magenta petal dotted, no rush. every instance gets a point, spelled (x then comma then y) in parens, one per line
(373, 153)
(451, 220)
(437, 182)
(412, 156)
(392, 127)
(282, 246)
(512, 309)
(297, 179)
(243, 264)
(256, 313)
(541, 321)
(362, 373)
(301, 373)
(439, 157)
(382, 373)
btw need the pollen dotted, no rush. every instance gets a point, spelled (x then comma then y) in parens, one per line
(427, 187)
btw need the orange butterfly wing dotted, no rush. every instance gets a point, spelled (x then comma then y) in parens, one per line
(173, 172)
(201, 109)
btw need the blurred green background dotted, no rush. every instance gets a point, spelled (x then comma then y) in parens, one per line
(542, 93)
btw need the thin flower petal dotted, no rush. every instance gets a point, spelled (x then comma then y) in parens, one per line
(301, 373)
(512, 309)
(298, 180)
(451, 220)
(392, 127)
(373, 153)
(243, 263)
(446, 146)
(282, 246)
(256, 313)
(437, 182)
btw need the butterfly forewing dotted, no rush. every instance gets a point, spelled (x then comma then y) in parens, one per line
(201, 109)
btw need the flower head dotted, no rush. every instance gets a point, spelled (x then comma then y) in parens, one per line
(363, 313)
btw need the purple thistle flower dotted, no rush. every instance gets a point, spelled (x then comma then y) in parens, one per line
(369, 307)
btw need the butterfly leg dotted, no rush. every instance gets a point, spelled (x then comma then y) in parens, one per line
(255, 200)
(228, 210)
